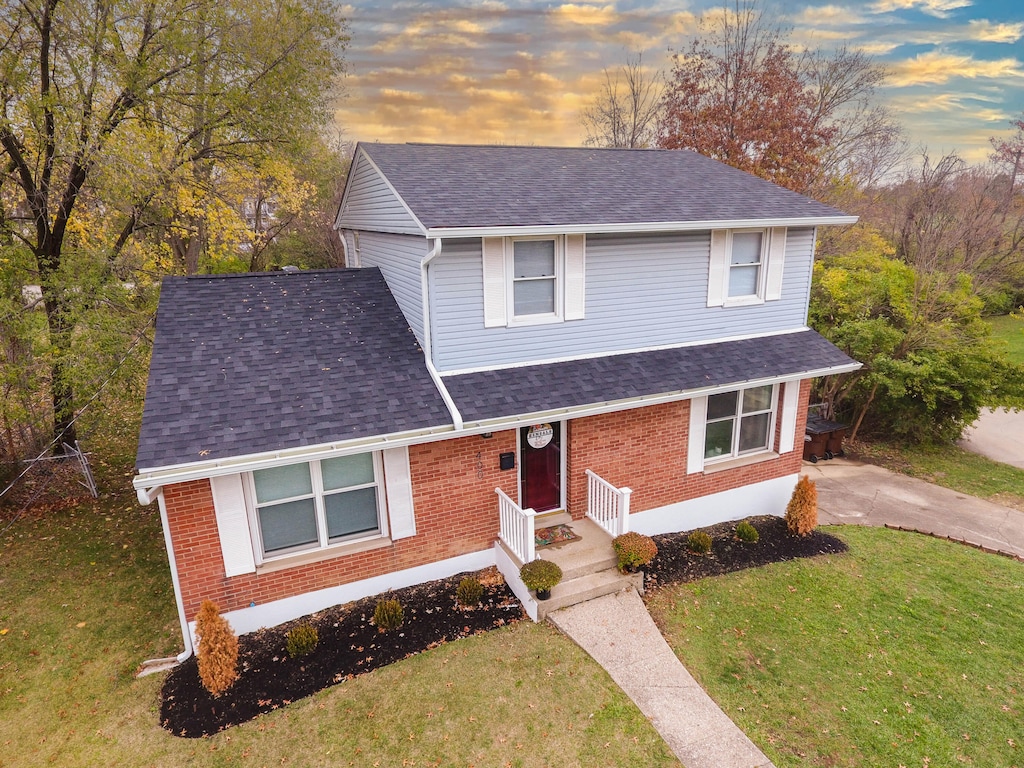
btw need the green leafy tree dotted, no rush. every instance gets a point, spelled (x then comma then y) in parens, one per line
(115, 109)
(929, 363)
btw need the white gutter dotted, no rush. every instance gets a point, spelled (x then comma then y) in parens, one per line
(651, 226)
(435, 251)
(186, 633)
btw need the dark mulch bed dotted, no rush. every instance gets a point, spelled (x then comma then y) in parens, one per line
(349, 645)
(675, 563)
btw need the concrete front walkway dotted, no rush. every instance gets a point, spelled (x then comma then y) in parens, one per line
(863, 494)
(619, 633)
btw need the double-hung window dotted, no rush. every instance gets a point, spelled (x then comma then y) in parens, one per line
(746, 259)
(739, 423)
(317, 504)
(535, 289)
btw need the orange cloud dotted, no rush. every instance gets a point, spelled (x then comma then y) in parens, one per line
(936, 67)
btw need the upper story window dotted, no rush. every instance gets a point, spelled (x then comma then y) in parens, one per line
(746, 266)
(533, 280)
(314, 505)
(535, 268)
(746, 258)
(739, 422)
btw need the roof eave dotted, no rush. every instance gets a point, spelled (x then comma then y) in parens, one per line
(649, 226)
(150, 479)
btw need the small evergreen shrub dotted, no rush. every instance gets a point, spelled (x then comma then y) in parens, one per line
(540, 574)
(634, 550)
(699, 542)
(388, 615)
(217, 651)
(469, 592)
(802, 510)
(302, 640)
(747, 533)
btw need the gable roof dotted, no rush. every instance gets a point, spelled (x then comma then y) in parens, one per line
(458, 189)
(250, 363)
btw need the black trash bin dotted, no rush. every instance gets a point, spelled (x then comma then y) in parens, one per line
(823, 439)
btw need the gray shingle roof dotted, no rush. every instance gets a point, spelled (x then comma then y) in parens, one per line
(495, 186)
(540, 388)
(258, 362)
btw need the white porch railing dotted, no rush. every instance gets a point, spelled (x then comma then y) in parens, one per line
(607, 505)
(516, 527)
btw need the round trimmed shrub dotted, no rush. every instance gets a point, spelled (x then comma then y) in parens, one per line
(747, 533)
(699, 542)
(469, 592)
(302, 640)
(634, 550)
(540, 574)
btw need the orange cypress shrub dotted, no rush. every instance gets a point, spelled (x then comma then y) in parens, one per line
(217, 651)
(802, 510)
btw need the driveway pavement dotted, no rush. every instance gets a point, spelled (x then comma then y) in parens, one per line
(863, 494)
(999, 435)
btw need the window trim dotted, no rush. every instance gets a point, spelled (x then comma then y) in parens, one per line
(734, 452)
(539, 318)
(758, 297)
(323, 545)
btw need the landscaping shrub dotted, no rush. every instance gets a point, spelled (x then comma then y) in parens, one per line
(540, 574)
(698, 542)
(217, 651)
(469, 592)
(746, 532)
(802, 510)
(388, 615)
(302, 640)
(634, 550)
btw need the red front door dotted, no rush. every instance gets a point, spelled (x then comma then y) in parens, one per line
(540, 452)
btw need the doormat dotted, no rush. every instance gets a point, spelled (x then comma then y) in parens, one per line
(556, 534)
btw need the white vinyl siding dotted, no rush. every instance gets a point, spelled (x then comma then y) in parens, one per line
(641, 291)
(370, 204)
(398, 257)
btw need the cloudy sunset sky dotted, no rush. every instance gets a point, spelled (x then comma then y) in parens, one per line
(504, 71)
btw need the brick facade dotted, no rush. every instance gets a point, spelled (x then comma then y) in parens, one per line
(456, 513)
(455, 505)
(646, 450)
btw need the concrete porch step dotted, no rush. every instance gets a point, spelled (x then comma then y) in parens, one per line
(583, 588)
(591, 553)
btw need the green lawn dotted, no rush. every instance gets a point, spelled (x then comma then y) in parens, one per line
(1010, 330)
(85, 595)
(906, 651)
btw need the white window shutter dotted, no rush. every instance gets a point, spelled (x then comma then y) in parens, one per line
(575, 276)
(494, 282)
(233, 525)
(776, 261)
(790, 404)
(398, 485)
(698, 424)
(718, 272)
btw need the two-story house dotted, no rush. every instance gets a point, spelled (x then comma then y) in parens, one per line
(617, 335)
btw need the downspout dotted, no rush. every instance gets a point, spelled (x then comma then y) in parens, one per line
(435, 251)
(186, 634)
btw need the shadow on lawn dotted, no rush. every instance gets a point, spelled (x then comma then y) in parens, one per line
(351, 645)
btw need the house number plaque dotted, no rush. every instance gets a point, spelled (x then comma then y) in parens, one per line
(539, 435)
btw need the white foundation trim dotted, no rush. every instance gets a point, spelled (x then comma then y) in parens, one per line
(769, 497)
(279, 611)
